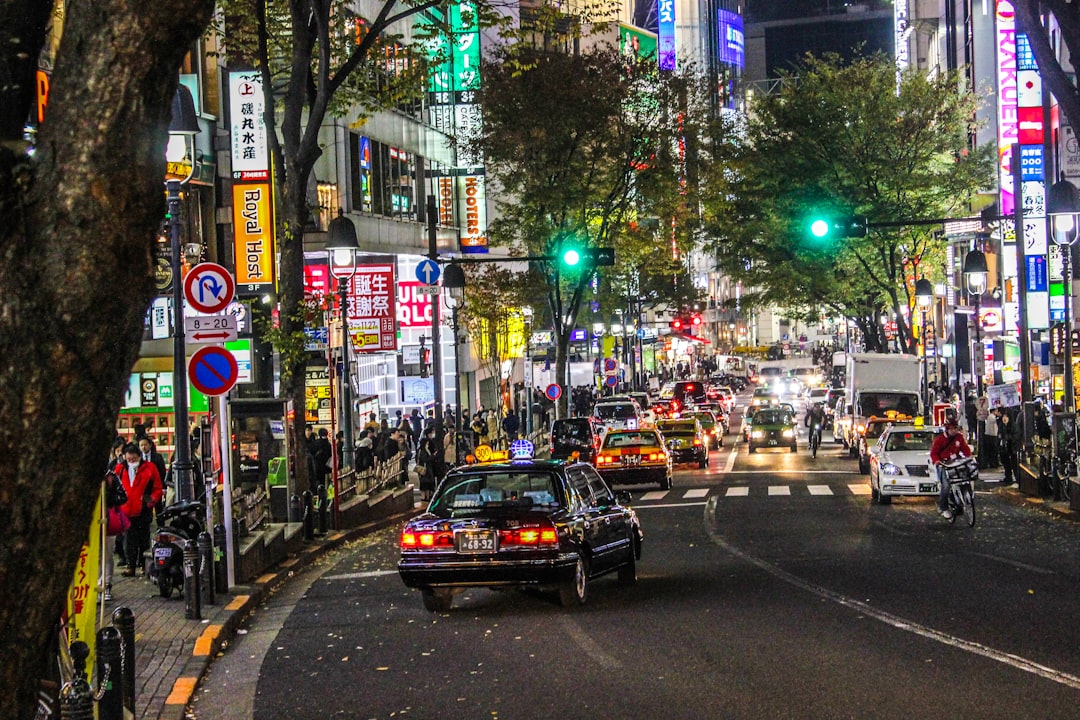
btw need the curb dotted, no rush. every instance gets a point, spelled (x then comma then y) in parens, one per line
(1056, 509)
(249, 597)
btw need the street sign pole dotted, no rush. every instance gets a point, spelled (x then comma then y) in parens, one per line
(182, 466)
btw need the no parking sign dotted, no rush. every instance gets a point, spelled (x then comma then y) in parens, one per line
(553, 392)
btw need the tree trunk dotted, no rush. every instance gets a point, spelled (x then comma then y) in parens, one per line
(78, 221)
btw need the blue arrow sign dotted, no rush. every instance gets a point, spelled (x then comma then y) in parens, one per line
(427, 271)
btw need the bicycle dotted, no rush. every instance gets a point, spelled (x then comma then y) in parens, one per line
(961, 474)
(815, 439)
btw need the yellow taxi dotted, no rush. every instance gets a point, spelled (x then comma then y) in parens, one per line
(634, 456)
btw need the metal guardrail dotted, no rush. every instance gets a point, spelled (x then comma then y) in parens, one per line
(383, 473)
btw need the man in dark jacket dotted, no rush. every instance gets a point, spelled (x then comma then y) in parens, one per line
(510, 426)
(321, 452)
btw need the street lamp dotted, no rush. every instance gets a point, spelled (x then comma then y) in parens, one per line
(184, 123)
(924, 297)
(454, 284)
(341, 247)
(975, 274)
(1062, 206)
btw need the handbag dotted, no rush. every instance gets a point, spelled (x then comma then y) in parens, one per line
(117, 522)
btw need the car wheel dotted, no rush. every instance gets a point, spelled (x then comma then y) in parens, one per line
(576, 591)
(437, 600)
(665, 484)
(864, 466)
(703, 463)
(875, 496)
(752, 450)
(628, 570)
(164, 583)
(794, 448)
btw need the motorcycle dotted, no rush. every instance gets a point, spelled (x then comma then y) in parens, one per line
(181, 522)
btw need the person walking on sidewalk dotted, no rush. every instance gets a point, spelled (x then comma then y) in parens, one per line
(1008, 444)
(115, 497)
(142, 484)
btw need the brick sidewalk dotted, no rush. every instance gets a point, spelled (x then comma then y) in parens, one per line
(172, 653)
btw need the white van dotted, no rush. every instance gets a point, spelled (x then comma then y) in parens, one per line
(618, 415)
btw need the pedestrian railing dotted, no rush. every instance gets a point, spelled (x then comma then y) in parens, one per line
(384, 473)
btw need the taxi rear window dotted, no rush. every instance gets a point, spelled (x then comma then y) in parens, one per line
(615, 411)
(478, 491)
(630, 439)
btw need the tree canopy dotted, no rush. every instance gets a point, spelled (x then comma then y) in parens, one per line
(841, 139)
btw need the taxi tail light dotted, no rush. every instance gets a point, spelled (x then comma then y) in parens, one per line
(531, 536)
(426, 539)
(697, 441)
(604, 460)
(657, 456)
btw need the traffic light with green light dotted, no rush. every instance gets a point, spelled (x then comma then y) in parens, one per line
(572, 257)
(831, 228)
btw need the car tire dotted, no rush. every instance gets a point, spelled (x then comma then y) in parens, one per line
(436, 600)
(665, 484)
(875, 496)
(576, 591)
(751, 449)
(794, 448)
(628, 570)
(703, 463)
(864, 466)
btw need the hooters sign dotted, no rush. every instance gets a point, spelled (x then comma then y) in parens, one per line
(413, 310)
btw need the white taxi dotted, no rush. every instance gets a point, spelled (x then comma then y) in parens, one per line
(900, 463)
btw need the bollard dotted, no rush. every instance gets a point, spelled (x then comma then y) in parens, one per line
(110, 696)
(124, 621)
(192, 609)
(323, 514)
(206, 568)
(295, 509)
(221, 569)
(309, 517)
(76, 701)
(79, 651)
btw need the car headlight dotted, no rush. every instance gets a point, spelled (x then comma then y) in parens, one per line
(891, 469)
(757, 434)
(789, 433)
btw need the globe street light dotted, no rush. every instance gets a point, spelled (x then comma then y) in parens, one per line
(185, 123)
(341, 247)
(454, 284)
(1062, 205)
(975, 274)
(924, 297)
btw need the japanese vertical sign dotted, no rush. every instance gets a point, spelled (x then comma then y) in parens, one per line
(1029, 131)
(1007, 126)
(253, 215)
(82, 595)
(372, 308)
(665, 33)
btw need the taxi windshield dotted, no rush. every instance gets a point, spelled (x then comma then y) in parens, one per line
(910, 441)
(468, 493)
(630, 439)
(615, 411)
(772, 417)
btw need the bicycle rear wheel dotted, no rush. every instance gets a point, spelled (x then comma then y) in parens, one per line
(967, 498)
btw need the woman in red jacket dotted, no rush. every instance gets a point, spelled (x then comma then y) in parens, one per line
(143, 486)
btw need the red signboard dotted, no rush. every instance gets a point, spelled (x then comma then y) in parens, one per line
(372, 308)
(413, 310)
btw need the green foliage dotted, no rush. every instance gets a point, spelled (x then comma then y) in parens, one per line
(845, 139)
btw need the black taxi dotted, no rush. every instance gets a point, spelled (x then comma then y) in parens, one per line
(519, 522)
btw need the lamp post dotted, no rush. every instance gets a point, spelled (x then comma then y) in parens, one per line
(341, 247)
(924, 296)
(184, 123)
(975, 274)
(454, 284)
(1062, 205)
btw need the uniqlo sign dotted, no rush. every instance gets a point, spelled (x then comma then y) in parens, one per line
(413, 310)
(372, 308)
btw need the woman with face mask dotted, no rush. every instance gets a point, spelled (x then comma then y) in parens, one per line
(143, 487)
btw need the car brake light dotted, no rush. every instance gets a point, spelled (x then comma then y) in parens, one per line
(604, 459)
(697, 441)
(531, 536)
(412, 540)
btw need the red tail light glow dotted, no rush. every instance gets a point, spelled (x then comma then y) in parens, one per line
(411, 540)
(535, 536)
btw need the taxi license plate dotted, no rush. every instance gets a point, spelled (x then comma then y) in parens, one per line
(928, 487)
(772, 441)
(162, 552)
(475, 541)
(631, 459)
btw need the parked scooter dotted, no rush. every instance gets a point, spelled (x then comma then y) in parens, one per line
(182, 522)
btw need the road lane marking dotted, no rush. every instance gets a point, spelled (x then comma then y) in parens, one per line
(701, 503)
(819, 489)
(731, 458)
(738, 491)
(587, 644)
(859, 489)
(654, 495)
(779, 489)
(970, 646)
(696, 493)
(360, 575)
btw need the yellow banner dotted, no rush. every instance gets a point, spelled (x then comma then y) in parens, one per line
(83, 592)
(253, 234)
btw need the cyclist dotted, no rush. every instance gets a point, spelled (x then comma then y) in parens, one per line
(815, 420)
(947, 446)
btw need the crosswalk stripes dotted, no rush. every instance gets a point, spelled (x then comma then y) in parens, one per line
(744, 491)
